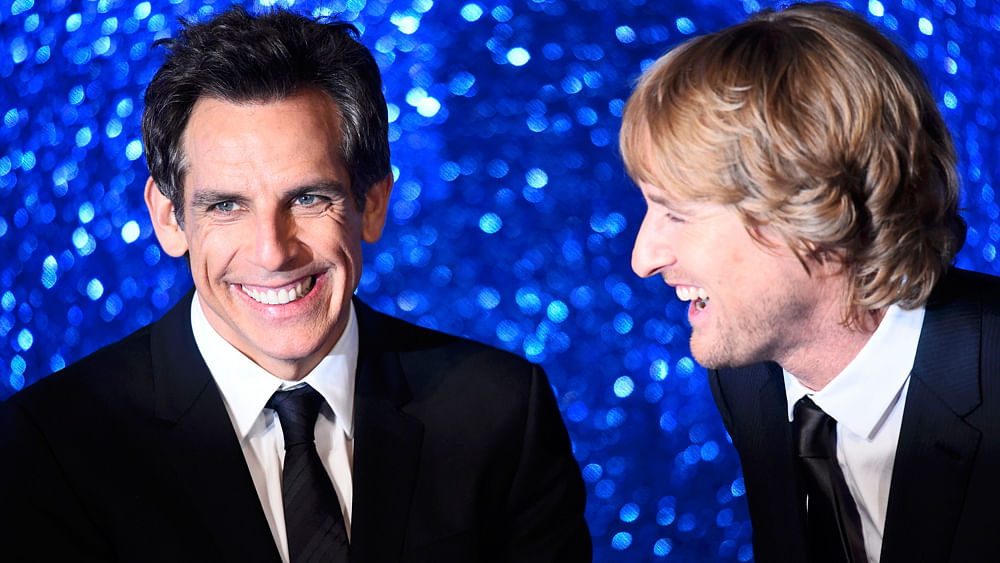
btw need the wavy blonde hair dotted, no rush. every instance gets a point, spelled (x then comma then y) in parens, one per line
(812, 124)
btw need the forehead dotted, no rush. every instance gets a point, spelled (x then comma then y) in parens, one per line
(230, 142)
(673, 170)
(217, 122)
(679, 192)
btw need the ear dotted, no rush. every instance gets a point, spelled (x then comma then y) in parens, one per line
(376, 207)
(161, 211)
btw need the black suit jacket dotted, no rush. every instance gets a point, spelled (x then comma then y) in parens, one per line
(944, 500)
(129, 455)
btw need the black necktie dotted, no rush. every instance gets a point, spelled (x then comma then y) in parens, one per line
(833, 525)
(313, 520)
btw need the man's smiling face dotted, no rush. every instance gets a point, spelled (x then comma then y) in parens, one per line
(749, 303)
(270, 227)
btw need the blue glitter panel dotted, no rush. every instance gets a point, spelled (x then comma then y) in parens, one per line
(512, 220)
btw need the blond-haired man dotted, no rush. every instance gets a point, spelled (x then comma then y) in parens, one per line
(802, 194)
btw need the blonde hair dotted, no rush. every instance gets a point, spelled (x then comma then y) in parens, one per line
(812, 124)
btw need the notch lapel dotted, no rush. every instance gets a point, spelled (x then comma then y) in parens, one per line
(752, 402)
(387, 445)
(201, 445)
(936, 446)
(784, 507)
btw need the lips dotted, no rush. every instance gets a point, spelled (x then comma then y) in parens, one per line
(280, 296)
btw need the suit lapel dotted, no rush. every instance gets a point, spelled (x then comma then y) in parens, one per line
(387, 445)
(201, 445)
(936, 446)
(784, 507)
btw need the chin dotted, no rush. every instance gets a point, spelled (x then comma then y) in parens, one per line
(708, 356)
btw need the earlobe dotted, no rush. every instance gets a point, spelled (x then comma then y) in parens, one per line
(376, 207)
(161, 212)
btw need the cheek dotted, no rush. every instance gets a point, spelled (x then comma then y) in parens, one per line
(331, 235)
(214, 247)
(735, 259)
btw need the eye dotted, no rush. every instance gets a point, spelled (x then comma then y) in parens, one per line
(308, 199)
(226, 206)
(673, 218)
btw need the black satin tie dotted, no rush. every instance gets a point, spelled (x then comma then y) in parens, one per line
(833, 525)
(313, 521)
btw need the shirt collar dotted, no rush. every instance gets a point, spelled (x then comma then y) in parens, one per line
(246, 387)
(862, 394)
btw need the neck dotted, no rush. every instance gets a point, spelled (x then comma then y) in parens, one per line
(823, 356)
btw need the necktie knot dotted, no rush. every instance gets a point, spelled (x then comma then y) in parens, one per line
(815, 431)
(297, 410)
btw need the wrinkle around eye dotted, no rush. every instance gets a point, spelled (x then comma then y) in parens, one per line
(322, 206)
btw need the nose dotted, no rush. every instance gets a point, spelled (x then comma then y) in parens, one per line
(651, 252)
(276, 243)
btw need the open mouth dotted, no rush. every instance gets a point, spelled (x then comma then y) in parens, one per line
(283, 295)
(692, 293)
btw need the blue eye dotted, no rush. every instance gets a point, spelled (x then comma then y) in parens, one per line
(226, 206)
(307, 199)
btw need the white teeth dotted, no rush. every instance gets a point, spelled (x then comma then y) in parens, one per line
(690, 293)
(281, 296)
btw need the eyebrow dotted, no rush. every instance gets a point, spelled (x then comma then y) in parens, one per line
(210, 196)
(669, 203)
(658, 199)
(332, 189)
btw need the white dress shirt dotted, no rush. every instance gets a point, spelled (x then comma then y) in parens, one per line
(867, 399)
(246, 388)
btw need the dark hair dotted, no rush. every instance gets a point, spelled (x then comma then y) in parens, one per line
(239, 57)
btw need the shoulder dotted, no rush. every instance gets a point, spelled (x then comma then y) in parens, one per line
(966, 286)
(117, 372)
(426, 346)
(97, 378)
(59, 413)
(440, 366)
(969, 303)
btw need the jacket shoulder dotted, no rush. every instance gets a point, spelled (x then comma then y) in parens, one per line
(969, 286)
(101, 375)
(423, 349)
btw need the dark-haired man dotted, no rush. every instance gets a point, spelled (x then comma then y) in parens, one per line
(269, 416)
(802, 194)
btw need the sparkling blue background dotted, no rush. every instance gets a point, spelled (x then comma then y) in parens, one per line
(511, 222)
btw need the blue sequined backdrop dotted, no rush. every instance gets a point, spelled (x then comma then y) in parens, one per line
(511, 222)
